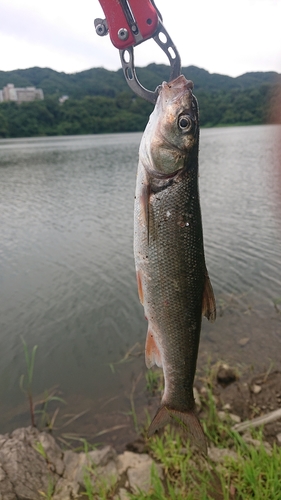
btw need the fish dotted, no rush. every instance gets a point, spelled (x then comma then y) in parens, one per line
(173, 282)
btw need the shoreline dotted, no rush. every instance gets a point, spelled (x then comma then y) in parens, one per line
(29, 453)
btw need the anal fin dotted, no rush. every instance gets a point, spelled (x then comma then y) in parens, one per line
(140, 289)
(152, 353)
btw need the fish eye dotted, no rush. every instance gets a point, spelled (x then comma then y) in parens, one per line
(185, 123)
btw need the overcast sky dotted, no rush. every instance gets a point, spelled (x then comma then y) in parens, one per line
(222, 36)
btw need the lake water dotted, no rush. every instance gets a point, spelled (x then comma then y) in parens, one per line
(67, 278)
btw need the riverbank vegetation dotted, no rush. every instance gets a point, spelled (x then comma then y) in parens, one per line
(99, 101)
(243, 459)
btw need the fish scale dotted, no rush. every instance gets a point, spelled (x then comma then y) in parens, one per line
(177, 277)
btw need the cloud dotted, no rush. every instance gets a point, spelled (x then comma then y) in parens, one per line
(223, 37)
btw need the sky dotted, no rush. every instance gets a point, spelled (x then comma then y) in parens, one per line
(222, 36)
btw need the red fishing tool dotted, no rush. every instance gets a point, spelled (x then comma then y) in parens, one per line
(129, 23)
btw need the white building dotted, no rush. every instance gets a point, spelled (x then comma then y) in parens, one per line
(11, 93)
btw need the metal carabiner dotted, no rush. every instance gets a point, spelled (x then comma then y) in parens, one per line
(130, 23)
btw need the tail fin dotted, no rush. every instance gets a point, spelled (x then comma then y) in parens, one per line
(187, 420)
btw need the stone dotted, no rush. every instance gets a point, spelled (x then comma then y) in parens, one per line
(226, 407)
(123, 494)
(74, 461)
(65, 490)
(103, 456)
(3, 439)
(257, 443)
(242, 342)
(225, 416)
(130, 459)
(2, 474)
(222, 415)
(53, 452)
(235, 418)
(219, 455)
(256, 389)
(226, 375)
(27, 472)
(137, 446)
(97, 464)
(108, 473)
(140, 477)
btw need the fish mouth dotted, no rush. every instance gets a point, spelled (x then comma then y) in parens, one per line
(175, 89)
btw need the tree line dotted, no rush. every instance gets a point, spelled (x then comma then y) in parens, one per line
(126, 112)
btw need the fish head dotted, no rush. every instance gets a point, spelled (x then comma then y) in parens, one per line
(172, 132)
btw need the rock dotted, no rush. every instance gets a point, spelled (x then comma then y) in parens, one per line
(137, 446)
(235, 418)
(53, 452)
(242, 342)
(226, 375)
(257, 443)
(140, 477)
(222, 415)
(122, 495)
(226, 407)
(130, 459)
(26, 471)
(3, 439)
(225, 416)
(138, 468)
(256, 389)
(97, 464)
(103, 456)
(65, 490)
(2, 474)
(218, 455)
(107, 474)
(73, 463)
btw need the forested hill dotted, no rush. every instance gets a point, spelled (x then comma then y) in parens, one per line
(99, 81)
(100, 101)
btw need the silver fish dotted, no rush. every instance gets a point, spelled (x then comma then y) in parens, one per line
(173, 282)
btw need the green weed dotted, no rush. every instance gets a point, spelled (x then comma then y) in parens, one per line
(154, 381)
(40, 448)
(48, 420)
(50, 490)
(27, 388)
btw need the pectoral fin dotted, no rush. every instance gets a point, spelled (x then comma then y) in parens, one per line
(144, 202)
(208, 303)
(152, 353)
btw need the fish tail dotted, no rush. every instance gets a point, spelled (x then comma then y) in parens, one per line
(186, 420)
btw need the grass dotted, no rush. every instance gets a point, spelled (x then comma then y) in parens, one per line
(253, 473)
(248, 472)
(47, 420)
(243, 473)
